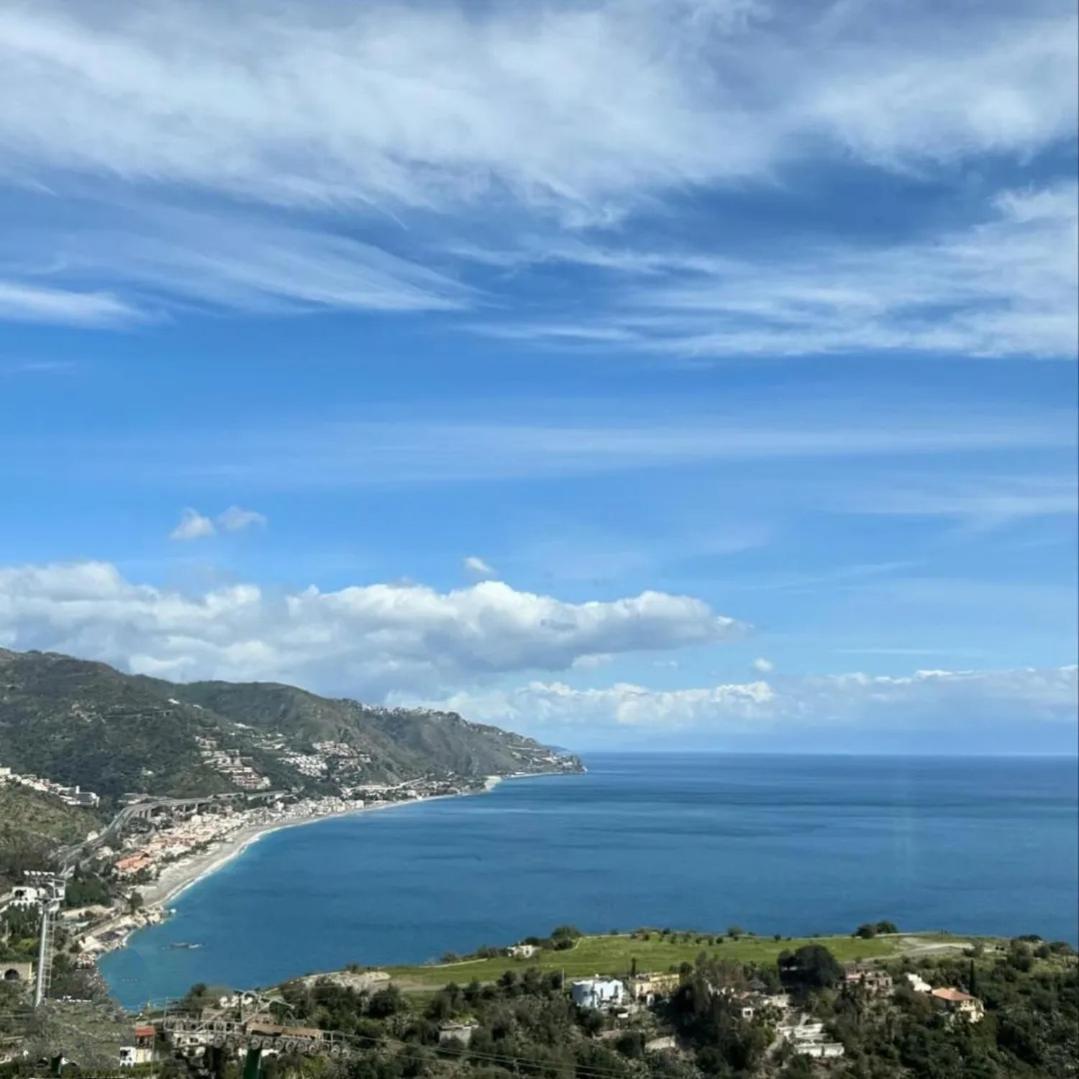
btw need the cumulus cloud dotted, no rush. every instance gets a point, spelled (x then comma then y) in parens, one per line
(963, 699)
(193, 525)
(365, 639)
(475, 564)
(236, 519)
(763, 666)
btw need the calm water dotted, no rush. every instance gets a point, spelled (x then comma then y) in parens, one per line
(776, 844)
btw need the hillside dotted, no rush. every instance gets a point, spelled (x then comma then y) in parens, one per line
(32, 826)
(80, 722)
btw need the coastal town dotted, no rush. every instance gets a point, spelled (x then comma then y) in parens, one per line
(153, 848)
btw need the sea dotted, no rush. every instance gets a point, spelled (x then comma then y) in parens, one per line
(797, 845)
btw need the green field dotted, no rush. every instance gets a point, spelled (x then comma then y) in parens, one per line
(614, 953)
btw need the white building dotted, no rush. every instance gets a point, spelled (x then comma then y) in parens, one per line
(598, 992)
(522, 951)
(23, 897)
(807, 1038)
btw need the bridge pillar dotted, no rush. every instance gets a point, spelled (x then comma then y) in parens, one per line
(253, 1064)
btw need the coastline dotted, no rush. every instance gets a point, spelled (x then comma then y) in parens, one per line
(177, 877)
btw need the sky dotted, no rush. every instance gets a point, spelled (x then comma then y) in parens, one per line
(663, 374)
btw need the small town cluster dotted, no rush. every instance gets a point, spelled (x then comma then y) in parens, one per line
(621, 997)
(72, 796)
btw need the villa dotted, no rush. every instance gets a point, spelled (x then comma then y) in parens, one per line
(959, 1004)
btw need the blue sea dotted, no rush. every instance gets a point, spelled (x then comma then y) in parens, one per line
(797, 845)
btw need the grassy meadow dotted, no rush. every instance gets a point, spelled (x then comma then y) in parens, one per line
(613, 953)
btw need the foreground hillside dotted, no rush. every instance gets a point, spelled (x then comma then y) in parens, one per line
(79, 722)
(657, 1004)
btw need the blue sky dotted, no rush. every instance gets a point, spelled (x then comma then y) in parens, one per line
(659, 374)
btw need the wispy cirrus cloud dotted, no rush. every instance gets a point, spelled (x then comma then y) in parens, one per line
(1006, 286)
(378, 453)
(164, 260)
(419, 105)
(978, 501)
(22, 301)
(388, 142)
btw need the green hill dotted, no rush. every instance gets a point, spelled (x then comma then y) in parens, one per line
(32, 826)
(75, 721)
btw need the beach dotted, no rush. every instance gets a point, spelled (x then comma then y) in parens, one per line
(176, 877)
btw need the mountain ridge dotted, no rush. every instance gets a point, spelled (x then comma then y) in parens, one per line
(84, 722)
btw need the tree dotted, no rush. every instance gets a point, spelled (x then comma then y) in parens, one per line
(565, 932)
(810, 967)
(386, 1002)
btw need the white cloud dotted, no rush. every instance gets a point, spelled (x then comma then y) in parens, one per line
(236, 519)
(193, 525)
(412, 114)
(164, 260)
(22, 302)
(763, 666)
(952, 699)
(476, 565)
(365, 640)
(422, 104)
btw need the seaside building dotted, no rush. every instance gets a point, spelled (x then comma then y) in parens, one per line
(21, 897)
(648, 988)
(807, 1038)
(456, 1033)
(142, 1052)
(522, 951)
(598, 993)
(961, 1005)
(877, 983)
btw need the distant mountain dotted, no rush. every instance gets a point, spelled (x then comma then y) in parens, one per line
(75, 721)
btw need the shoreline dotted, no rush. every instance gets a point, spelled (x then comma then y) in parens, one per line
(177, 877)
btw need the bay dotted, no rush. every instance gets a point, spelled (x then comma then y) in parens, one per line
(784, 844)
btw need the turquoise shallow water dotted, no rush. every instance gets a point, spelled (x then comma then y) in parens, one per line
(776, 844)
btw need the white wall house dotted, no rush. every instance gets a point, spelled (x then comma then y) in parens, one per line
(598, 992)
(23, 897)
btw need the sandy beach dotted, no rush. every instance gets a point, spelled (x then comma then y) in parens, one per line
(180, 875)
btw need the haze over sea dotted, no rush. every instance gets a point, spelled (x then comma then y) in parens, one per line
(792, 845)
